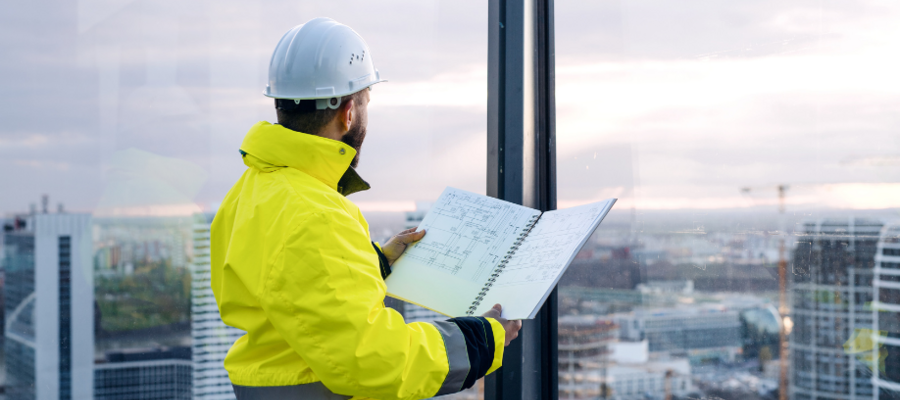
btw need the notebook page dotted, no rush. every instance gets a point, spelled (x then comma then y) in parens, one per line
(543, 257)
(467, 236)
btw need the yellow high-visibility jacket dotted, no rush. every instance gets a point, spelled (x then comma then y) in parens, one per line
(294, 267)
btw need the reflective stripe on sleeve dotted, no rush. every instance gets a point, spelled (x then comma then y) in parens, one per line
(457, 357)
(309, 391)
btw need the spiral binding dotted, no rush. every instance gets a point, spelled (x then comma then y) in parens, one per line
(501, 265)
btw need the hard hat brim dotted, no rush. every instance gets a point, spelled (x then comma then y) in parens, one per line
(289, 97)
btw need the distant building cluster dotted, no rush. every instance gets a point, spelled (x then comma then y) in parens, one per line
(49, 263)
(661, 319)
(119, 246)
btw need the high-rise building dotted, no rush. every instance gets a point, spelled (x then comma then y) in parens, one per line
(886, 315)
(142, 374)
(211, 337)
(831, 296)
(49, 307)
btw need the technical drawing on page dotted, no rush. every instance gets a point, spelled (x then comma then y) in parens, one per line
(549, 246)
(467, 234)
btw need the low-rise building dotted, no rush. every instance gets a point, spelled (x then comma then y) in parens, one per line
(700, 333)
(139, 374)
(583, 355)
(651, 379)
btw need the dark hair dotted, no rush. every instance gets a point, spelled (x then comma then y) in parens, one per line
(304, 117)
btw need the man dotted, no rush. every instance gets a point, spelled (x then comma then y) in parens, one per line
(292, 261)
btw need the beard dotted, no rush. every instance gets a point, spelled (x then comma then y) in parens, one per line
(354, 138)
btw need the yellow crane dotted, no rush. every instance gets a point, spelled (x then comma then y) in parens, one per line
(783, 309)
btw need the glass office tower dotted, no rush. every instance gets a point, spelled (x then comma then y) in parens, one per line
(886, 315)
(49, 297)
(832, 294)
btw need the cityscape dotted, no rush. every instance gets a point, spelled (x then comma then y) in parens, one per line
(121, 308)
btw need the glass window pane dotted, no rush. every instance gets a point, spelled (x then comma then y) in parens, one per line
(127, 117)
(736, 136)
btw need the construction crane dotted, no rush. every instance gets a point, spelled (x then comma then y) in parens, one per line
(783, 309)
(669, 375)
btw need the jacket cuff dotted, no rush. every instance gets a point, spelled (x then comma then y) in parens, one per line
(480, 346)
(383, 264)
(499, 344)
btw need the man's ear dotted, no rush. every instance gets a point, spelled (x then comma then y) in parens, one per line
(347, 115)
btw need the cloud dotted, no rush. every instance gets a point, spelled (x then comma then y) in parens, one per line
(465, 87)
(142, 183)
(844, 196)
(892, 160)
(701, 127)
(678, 101)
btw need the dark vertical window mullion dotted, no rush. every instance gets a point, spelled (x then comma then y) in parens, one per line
(546, 162)
(530, 362)
(496, 100)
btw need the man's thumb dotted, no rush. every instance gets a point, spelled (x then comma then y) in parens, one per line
(494, 312)
(412, 237)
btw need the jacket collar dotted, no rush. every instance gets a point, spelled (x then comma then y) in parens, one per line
(268, 147)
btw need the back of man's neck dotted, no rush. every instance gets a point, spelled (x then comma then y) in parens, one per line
(330, 131)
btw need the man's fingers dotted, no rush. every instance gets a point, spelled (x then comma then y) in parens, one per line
(513, 331)
(410, 230)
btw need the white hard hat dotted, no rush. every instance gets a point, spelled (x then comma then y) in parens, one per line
(323, 60)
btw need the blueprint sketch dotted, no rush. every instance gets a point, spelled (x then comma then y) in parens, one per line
(468, 234)
(551, 245)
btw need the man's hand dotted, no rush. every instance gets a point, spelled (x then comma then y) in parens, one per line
(397, 244)
(511, 327)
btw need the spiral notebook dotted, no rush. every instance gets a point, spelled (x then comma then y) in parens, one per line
(480, 251)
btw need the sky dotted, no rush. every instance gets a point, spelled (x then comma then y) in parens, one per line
(137, 107)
